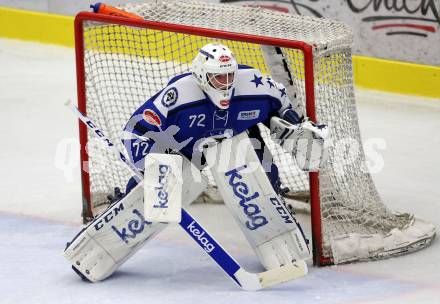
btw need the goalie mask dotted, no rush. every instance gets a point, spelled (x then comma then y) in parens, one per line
(215, 70)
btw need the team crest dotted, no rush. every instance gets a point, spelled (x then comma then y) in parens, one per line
(152, 118)
(170, 97)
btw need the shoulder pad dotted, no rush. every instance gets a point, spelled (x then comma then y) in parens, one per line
(251, 81)
(179, 91)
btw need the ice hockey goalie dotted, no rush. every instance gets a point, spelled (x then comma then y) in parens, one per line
(208, 117)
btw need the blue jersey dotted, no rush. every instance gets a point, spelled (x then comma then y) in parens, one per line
(182, 104)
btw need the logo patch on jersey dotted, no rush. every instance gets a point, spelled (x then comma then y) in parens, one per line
(170, 97)
(248, 115)
(152, 118)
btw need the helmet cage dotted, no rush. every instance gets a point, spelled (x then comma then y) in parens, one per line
(223, 82)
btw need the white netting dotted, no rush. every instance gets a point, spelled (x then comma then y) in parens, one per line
(125, 65)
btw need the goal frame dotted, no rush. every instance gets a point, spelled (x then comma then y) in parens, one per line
(305, 48)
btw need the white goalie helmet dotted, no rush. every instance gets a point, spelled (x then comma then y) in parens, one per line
(215, 70)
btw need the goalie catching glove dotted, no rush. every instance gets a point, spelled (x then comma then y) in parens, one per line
(307, 142)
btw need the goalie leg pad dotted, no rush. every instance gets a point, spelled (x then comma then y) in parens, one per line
(111, 238)
(261, 214)
(121, 230)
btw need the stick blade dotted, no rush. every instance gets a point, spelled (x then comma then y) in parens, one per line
(256, 281)
(283, 274)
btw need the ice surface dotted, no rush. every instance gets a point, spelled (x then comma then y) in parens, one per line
(40, 206)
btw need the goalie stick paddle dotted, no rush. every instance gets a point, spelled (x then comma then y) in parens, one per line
(247, 280)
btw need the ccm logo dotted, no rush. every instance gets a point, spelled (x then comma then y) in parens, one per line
(109, 216)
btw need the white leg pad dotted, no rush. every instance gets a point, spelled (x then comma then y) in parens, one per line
(115, 235)
(261, 214)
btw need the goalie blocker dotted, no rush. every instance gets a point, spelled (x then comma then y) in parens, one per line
(163, 189)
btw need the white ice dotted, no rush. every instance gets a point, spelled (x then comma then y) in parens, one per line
(40, 205)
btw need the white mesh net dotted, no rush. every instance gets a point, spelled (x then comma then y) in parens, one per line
(125, 65)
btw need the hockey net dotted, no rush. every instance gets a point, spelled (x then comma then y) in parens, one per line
(122, 62)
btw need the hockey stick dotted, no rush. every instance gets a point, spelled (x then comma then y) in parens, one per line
(247, 280)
